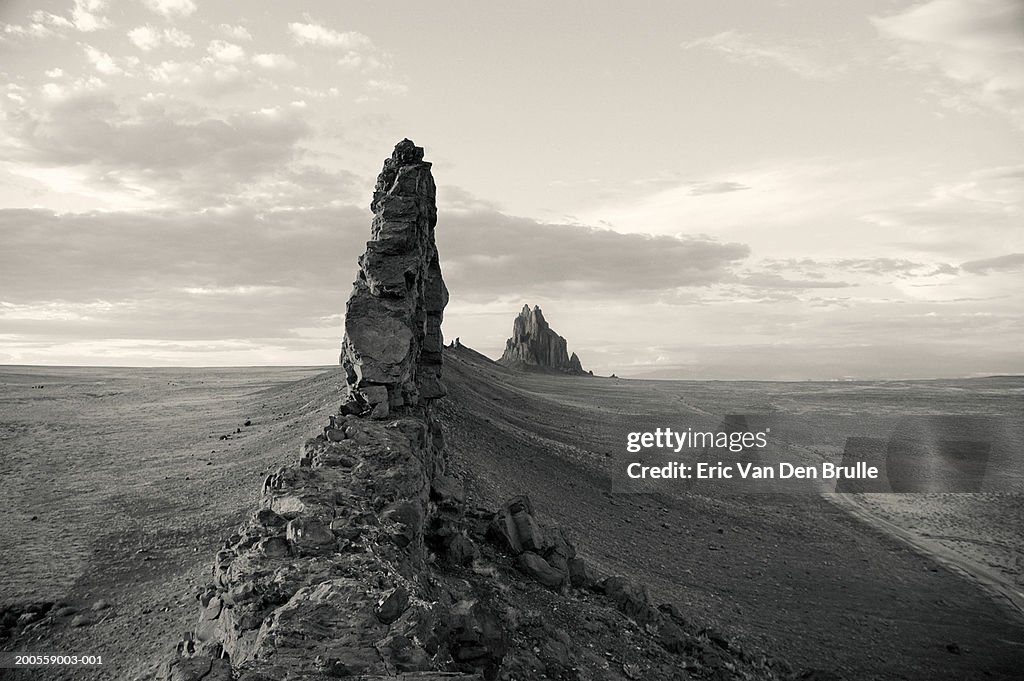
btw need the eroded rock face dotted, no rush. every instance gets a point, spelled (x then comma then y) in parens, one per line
(365, 560)
(392, 346)
(535, 345)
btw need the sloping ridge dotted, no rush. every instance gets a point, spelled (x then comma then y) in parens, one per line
(789, 575)
(364, 559)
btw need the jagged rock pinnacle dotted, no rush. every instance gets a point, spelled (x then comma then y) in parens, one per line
(535, 345)
(392, 346)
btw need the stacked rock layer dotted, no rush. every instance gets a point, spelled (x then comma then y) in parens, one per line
(392, 346)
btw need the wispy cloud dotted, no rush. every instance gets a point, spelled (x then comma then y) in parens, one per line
(86, 15)
(274, 61)
(976, 45)
(171, 8)
(1011, 262)
(150, 37)
(225, 52)
(235, 32)
(165, 149)
(102, 61)
(701, 188)
(357, 49)
(769, 281)
(320, 36)
(799, 58)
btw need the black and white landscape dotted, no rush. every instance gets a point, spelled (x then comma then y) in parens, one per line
(627, 231)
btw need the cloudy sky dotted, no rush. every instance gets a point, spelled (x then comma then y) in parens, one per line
(779, 190)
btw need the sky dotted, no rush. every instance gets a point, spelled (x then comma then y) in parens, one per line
(780, 190)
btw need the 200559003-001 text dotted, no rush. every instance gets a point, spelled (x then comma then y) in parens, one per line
(16, 660)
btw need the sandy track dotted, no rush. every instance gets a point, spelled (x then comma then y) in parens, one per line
(983, 543)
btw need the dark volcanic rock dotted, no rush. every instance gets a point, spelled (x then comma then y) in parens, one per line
(540, 570)
(535, 345)
(392, 346)
(516, 527)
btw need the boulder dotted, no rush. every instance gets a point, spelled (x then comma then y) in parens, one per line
(447, 492)
(515, 527)
(581, 575)
(540, 570)
(393, 604)
(309, 534)
(630, 598)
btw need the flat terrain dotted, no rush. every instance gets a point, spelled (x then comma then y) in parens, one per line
(120, 488)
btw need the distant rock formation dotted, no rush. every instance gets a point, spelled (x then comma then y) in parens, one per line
(535, 345)
(392, 346)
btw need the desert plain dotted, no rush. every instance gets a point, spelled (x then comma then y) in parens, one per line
(120, 485)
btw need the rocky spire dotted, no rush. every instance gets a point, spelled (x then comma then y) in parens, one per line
(535, 345)
(392, 346)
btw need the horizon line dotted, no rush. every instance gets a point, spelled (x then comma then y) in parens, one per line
(327, 367)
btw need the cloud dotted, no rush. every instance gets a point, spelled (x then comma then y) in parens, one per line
(51, 21)
(899, 267)
(214, 287)
(1011, 262)
(195, 273)
(208, 76)
(311, 34)
(171, 8)
(226, 52)
(204, 281)
(358, 50)
(191, 257)
(235, 32)
(487, 255)
(787, 204)
(102, 61)
(765, 280)
(700, 188)
(976, 45)
(55, 311)
(743, 48)
(961, 217)
(274, 61)
(149, 37)
(387, 87)
(163, 149)
(33, 30)
(85, 15)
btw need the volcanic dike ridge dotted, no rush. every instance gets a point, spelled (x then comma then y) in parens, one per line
(364, 560)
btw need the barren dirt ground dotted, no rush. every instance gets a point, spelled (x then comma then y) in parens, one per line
(119, 489)
(791, 574)
(978, 534)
